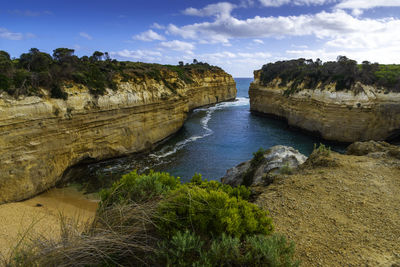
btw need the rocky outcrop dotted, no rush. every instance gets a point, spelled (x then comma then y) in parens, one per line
(367, 113)
(277, 159)
(373, 149)
(40, 137)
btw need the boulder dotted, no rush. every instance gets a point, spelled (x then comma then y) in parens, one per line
(373, 149)
(275, 160)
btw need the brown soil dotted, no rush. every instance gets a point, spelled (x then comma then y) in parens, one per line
(40, 216)
(340, 216)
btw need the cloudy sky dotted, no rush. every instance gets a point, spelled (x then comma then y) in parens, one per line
(239, 36)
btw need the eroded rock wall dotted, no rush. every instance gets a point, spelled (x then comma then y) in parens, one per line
(345, 116)
(40, 137)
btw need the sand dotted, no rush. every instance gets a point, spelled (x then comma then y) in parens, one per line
(41, 216)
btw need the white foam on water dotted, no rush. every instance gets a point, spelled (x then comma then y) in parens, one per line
(170, 150)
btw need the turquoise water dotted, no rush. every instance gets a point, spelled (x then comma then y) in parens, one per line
(212, 140)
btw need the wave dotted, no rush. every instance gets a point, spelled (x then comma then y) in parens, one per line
(170, 150)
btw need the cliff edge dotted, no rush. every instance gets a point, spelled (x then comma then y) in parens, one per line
(345, 110)
(40, 136)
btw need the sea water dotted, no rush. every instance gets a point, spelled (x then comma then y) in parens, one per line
(212, 140)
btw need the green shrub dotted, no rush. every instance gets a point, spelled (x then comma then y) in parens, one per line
(183, 249)
(133, 187)
(224, 251)
(248, 176)
(286, 169)
(56, 92)
(271, 251)
(210, 212)
(5, 82)
(154, 220)
(322, 150)
(344, 73)
(187, 249)
(238, 192)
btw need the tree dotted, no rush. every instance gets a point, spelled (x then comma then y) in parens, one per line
(107, 56)
(97, 56)
(40, 61)
(195, 61)
(63, 54)
(5, 63)
(180, 63)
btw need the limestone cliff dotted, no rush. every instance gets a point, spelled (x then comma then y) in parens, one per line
(363, 114)
(40, 137)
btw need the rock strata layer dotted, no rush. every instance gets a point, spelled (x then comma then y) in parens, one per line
(346, 116)
(40, 137)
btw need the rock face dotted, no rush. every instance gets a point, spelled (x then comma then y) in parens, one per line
(371, 114)
(40, 137)
(274, 160)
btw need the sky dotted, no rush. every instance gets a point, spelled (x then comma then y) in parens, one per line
(239, 36)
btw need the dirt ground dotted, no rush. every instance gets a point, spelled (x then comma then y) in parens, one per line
(40, 216)
(340, 216)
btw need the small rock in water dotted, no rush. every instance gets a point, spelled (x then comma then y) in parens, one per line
(39, 205)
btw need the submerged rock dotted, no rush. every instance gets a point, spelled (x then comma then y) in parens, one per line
(277, 159)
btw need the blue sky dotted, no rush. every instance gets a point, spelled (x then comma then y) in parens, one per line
(240, 36)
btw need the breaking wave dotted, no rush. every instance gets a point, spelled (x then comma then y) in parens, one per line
(170, 150)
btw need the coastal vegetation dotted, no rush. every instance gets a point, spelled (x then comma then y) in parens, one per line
(37, 70)
(153, 219)
(343, 72)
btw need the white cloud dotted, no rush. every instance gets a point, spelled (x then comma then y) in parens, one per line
(258, 41)
(322, 25)
(177, 45)
(142, 55)
(149, 36)
(6, 34)
(247, 3)
(239, 64)
(329, 26)
(85, 35)
(157, 26)
(277, 3)
(221, 10)
(367, 4)
(29, 13)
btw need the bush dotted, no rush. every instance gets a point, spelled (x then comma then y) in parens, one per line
(97, 73)
(183, 249)
(344, 73)
(238, 192)
(152, 219)
(285, 169)
(322, 150)
(187, 249)
(56, 92)
(210, 212)
(248, 176)
(271, 250)
(133, 187)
